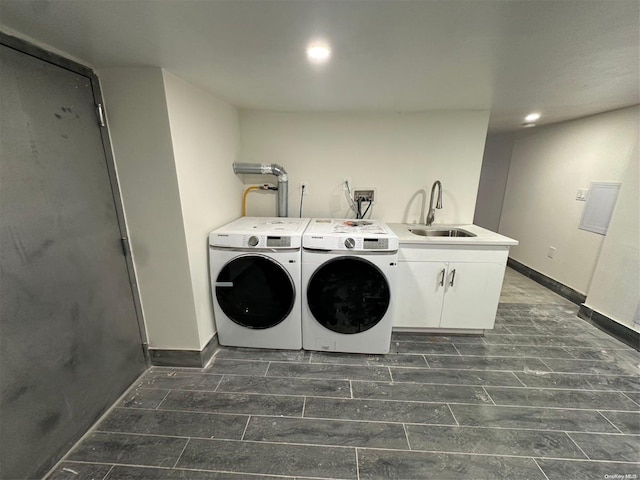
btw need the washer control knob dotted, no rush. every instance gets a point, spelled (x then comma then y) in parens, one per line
(253, 241)
(349, 243)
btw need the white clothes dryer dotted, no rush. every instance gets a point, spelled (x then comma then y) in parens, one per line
(254, 265)
(348, 284)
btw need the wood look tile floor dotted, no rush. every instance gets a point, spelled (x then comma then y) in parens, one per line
(545, 395)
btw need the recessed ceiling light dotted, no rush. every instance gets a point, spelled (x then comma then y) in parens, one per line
(532, 117)
(318, 52)
(528, 125)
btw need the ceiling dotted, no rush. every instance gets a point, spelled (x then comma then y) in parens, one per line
(562, 58)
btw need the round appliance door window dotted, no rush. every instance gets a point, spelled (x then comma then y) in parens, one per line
(348, 295)
(255, 291)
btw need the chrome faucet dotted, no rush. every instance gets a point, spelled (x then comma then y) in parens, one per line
(432, 212)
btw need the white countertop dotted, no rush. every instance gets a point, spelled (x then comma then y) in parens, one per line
(482, 235)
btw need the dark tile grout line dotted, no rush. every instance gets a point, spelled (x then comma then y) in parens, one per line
(579, 447)
(384, 422)
(219, 383)
(163, 399)
(402, 401)
(117, 464)
(532, 387)
(406, 435)
(453, 415)
(488, 395)
(431, 369)
(247, 426)
(605, 417)
(525, 387)
(628, 391)
(108, 472)
(540, 467)
(190, 469)
(347, 447)
(181, 453)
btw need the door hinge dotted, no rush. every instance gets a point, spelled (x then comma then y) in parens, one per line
(100, 115)
(124, 243)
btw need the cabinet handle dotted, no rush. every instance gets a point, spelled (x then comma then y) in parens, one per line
(453, 277)
(444, 270)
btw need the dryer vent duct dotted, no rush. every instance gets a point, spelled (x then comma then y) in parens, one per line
(269, 169)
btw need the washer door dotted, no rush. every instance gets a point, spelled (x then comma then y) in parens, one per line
(255, 291)
(348, 295)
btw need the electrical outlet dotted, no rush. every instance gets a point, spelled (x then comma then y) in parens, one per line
(551, 252)
(304, 188)
(364, 195)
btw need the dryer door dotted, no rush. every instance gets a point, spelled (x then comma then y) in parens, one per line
(255, 291)
(348, 295)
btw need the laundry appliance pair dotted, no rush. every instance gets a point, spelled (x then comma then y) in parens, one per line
(291, 283)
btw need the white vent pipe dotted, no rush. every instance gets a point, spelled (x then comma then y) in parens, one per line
(269, 169)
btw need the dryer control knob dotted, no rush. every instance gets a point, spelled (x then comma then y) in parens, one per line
(349, 243)
(253, 241)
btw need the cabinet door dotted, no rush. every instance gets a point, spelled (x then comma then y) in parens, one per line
(420, 294)
(472, 295)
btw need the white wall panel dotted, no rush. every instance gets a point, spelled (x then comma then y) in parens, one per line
(398, 154)
(548, 166)
(204, 133)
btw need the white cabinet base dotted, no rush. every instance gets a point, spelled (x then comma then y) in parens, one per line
(444, 289)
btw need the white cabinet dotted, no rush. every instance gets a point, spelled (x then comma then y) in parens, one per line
(448, 287)
(472, 293)
(420, 294)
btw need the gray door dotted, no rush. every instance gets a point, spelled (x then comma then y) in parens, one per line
(69, 338)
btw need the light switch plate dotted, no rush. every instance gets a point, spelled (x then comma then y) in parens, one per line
(582, 194)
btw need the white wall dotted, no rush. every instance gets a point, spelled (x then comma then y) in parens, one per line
(493, 180)
(399, 154)
(615, 288)
(140, 133)
(548, 166)
(205, 133)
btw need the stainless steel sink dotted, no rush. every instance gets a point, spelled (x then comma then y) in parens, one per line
(441, 232)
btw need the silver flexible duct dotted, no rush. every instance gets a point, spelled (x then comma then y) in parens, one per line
(269, 169)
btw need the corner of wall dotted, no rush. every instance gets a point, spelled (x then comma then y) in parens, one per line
(614, 288)
(138, 121)
(205, 134)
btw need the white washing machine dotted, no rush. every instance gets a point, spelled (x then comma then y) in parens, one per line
(254, 264)
(348, 285)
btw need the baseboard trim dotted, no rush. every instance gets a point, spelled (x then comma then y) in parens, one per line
(184, 358)
(561, 289)
(439, 331)
(610, 326)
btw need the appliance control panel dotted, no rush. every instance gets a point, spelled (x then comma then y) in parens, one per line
(266, 241)
(257, 241)
(350, 242)
(278, 241)
(375, 243)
